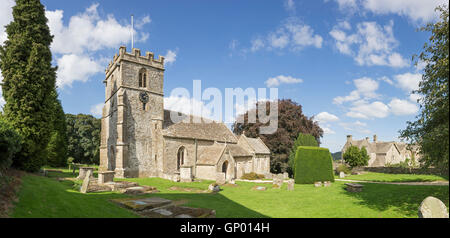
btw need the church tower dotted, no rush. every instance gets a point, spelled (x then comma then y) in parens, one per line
(133, 114)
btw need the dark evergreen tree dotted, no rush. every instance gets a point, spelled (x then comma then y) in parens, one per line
(29, 80)
(302, 140)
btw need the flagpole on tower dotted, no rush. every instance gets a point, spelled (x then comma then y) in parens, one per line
(132, 32)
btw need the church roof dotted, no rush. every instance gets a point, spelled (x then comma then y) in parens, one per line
(197, 128)
(210, 155)
(258, 146)
(238, 151)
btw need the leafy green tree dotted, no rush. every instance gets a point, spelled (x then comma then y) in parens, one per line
(83, 133)
(291, 121)
(354, 157)
(364, 157)
(431, 129)
(302, 140)
(10, 143)
(29, 79)
(57, 146)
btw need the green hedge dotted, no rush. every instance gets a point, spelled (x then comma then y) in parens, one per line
(313, 164)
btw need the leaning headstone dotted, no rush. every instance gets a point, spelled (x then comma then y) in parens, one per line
(290, 185)
(86, 181)
(432, 207)
(220, 178)
(318, 184)
(341, 175)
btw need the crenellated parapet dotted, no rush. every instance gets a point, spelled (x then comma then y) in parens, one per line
(135, 56)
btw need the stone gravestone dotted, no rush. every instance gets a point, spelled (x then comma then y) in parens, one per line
(268, 176)
(291, 183)
(220, 178)
(280, 176)
(186, 174)
(318, 184)
(87, 179)
(106, 177)
(83, 172)
(285, 175)
(327, 184)
(432, 207)
(341, 175)
(213, 188)
(277, 183)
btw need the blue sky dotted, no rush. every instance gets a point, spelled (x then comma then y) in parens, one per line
(347, 62)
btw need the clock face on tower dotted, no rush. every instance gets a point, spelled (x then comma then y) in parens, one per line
(143, 96)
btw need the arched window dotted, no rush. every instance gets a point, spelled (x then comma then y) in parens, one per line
(180, 157)
(142, 78)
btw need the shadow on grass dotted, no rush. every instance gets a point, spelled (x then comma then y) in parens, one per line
(47, 197)
(401, 198)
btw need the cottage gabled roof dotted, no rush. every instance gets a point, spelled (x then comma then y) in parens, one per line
(197, 128)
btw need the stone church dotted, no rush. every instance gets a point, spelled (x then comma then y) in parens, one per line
(139, 138)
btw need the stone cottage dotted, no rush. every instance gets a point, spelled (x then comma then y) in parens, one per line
(140, 139)
(383, 153)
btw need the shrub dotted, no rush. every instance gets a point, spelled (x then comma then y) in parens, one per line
(252, 176)
(10, 143)
(343, 168)
(313, 164)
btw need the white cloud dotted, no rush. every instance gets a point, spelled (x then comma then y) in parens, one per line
(357, 126)
(387, 80)
(403, 107)
(370, 45)
(417, 10)
(365, 110)
(170, 57)
(415, 97)
(97, 110)
(5, 17)
(365, 88)
(85, 34)
(289, 5)
(408, 81)
(87, 31)
(72, 67)
(327, 130)
(292, 34)
(281, 79)
(326, 117)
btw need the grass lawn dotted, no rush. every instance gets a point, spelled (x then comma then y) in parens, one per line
(380, 177)
(47, 197)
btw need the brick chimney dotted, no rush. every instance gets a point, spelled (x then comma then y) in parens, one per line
(349, 138)
(374, 138)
